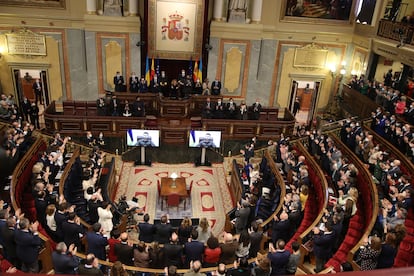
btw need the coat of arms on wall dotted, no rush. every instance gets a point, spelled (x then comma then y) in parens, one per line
(175, 29)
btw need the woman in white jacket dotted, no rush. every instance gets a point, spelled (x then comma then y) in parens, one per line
(105, 218)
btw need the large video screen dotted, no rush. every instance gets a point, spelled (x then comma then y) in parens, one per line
(143, 138)
(204, 139)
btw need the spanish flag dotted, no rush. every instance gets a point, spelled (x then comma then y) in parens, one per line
(147, 72)
(195, 72)
(152, 69)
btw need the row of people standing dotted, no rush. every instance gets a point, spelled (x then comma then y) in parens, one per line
(114, 107)
(181, 87)
(231, 110)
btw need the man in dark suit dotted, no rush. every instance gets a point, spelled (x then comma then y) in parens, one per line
(231, 109)
(41, 205)
(228, 249)
(27, 245)
(37, 89)
(114, 106)
(26, 105)
(219, 109)
(409, 114)
(97, 242)
(64, 261)
(256, 236)
(193, 250)
(208, 109)
(93, 205)
(34, 115)
(138, 109)
(123, 251)
(4, 214)
(163, 230)
(119, 82)
(216, 87)
(60, 217)
(173, 252)
(142, 85)
(242, 217)
(323, 243)
(91, 266)
(72, 230)
(133, 83)
(255, 109)
(281, 227)
(146, 230)
(279, 258)
(9, 243)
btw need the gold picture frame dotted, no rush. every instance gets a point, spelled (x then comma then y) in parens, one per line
(175, 29)
(301, 14)
(55, 4)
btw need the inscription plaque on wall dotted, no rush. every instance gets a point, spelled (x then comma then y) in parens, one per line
(314, 58)
(26, 43)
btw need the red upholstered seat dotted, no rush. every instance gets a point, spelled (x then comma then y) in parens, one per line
(173, 200)
(409, 224)
(354, 232)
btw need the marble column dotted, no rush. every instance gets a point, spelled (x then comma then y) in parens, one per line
(133, 7)
(91, 6)
(257, 11)
(218, 10)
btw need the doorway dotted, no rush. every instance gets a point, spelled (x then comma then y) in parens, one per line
(25, 79)
(302, 100)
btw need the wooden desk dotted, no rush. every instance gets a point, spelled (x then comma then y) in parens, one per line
(166, 189)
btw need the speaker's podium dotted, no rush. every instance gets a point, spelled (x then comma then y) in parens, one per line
(142, 160)
(202, 160)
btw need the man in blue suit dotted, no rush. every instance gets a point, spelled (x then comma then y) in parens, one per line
(146, 230)
(27, 245)
(323, 243)
(97, 242)
(193, 249)
(64, 261)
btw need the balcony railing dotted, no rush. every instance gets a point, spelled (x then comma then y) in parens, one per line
(396, 31)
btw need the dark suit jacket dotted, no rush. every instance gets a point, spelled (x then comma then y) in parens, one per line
(119, 83)
(173, 255)
(193, 251)
(9, 243)
(281, 230)
(124, 253)
(163, 233)
(41, 205)
(255, 109)
(27, 246)
(215, 88)
(112, 106)
(228, 252)
(59, 218)
(64, 263)
(279, 261)
(96, 245)
(141, 106)
(71, 233)
(322, 245)
(242, 217)
(146, 232)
